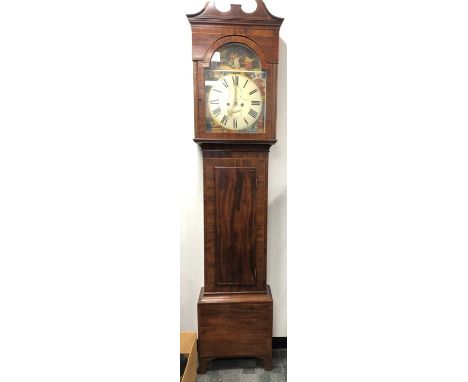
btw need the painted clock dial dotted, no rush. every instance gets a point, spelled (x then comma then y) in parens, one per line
(235, 102)
(235, 91)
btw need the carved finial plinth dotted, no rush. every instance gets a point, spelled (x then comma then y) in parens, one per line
(210, 14)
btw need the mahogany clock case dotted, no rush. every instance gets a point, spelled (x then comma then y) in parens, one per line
(235, 307)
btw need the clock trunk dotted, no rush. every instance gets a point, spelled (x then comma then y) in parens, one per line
(235, 209)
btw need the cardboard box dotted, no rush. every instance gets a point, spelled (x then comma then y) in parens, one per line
(188, 345)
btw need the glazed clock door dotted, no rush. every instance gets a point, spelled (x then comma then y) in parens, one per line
(235, 93)
(235, 225)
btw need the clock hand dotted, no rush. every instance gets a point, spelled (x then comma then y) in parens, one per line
(233, 102)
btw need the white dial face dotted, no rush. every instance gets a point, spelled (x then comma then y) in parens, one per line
(235, 102)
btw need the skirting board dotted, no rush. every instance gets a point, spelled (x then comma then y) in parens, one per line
(279, 342)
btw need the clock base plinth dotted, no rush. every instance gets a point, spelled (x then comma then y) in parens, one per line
(235, 325)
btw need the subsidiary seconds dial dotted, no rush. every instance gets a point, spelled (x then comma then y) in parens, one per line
(235, 102)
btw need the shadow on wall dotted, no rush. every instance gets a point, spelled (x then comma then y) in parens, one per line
(277, 206)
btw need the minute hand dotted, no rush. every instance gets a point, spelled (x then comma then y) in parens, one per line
(232, 100)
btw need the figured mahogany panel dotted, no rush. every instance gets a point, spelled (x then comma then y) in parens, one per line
(235, 225)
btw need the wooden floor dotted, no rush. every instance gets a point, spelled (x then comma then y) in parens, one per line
(246, 370)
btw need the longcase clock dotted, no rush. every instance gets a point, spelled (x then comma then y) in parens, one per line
(235, 59)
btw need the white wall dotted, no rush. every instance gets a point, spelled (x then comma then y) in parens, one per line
(191, 234)
(95, 148)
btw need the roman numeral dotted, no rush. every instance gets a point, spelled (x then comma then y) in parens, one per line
(234, 123)
(255, 102)
(225, 83)
(253, 91)
(216, 90)
(217, 111)
(235, 80)
(246, 121)
(245, 83)
(253, 113)
(224, 120)
(215, 102)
